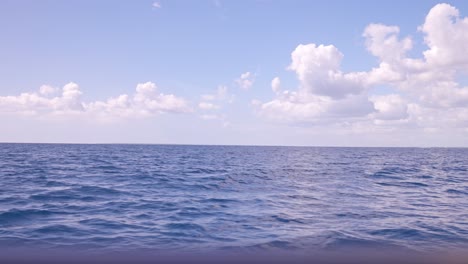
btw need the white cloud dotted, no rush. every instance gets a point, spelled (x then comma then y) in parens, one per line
(425, 94)
(145, 102)
(47, 90)
(325, 92)
(446, 36)
(276, 85)
(220, 94)
(37, 103)
(207, 106)
(430, 79)
(246, 80)
(210, 117)
(382, 41)
(318, 70)
(156, 4)
(208, 97)
(214, 102)
(390, 107)
(299, 107)
(255, 102)
(71, 96)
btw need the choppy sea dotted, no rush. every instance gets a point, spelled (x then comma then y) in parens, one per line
(176, 198)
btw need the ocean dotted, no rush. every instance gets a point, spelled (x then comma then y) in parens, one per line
(243, 199)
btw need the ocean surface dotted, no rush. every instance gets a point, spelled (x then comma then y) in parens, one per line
(175, 198)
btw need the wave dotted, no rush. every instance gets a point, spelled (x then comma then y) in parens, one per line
(228, 198)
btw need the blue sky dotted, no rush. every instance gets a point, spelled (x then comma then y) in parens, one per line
(200, 72)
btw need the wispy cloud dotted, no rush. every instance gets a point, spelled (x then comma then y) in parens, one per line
(246, 80)
(207, 106)
(156, 4)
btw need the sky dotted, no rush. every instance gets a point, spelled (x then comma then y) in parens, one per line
(247, 72)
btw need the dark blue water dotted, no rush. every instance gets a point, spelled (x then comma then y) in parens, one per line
(227, 198)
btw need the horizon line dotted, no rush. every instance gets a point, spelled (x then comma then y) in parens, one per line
(224, 145)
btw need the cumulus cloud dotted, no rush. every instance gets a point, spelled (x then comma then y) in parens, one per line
(325, 92)
(146, 101)
(318, 70)
(390, 107)
(446, 35)
(37, 103)
(276, 85)
(430, 79)
(246, 80)
(382, 41)
(425, 91)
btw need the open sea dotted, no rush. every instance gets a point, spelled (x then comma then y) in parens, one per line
(176, 198)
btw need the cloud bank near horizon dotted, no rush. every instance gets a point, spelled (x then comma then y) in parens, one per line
(53, 102)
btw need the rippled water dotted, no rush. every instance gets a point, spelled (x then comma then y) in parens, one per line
(197, 198)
